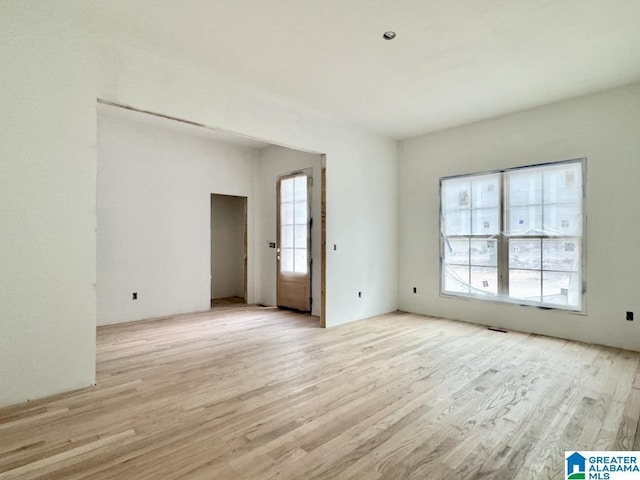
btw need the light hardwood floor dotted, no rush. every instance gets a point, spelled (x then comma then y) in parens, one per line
(257, 393)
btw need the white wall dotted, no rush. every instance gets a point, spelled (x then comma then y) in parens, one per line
(154, 208)
(47, 206)
(54, 68)
(603, 128)
(361, 167)
(227, 246)
(273, 162)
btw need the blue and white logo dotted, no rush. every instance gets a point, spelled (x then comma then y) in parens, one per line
(601, 465)
(575, 468)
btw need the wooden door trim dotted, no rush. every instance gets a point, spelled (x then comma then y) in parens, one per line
(246, 248)
(323, 241)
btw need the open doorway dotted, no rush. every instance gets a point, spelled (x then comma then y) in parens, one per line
(154, 222)
(228, 249)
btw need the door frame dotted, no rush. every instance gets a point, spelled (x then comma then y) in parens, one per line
(323, 241)
(245, 220)
(308, 172)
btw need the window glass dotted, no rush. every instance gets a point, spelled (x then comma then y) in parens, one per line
(525, 254)
(484, 252)
(456, 251)
(525, 284)
(484, 279)
(456, 279)
(294, 225)
(535, 214)
(301, 260)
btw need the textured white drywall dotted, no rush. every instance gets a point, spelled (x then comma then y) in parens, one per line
(54, 67)
(47, 206)
(604, 129)
(154, 208)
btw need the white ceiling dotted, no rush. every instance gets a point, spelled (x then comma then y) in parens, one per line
(453, 61)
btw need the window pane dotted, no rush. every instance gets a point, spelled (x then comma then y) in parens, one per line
(525, 187)
(486, 221)
(301, 213)
(484, 253)
(286, 236)
(286, 260)
(457, 223)
(484, 279)
(456, 194)
(456, 202)
(456, 278)
(300, 188)
(286, 190)
(301, 260)
(562, 219)
(486, 191)
(561, 288)
(563, 184)
(525, 254)
(525, 220)
(456, 251)
(561, 254)
(301, 236)
(525, 284)
(286, 213)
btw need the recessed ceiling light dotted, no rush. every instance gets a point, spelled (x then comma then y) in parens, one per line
(389, 35)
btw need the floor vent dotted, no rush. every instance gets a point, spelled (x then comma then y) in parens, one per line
(495, 329)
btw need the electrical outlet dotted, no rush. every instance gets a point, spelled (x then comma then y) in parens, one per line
(415, 289)
(134, 296)
(630, 316)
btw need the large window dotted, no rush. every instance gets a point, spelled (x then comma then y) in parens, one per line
(515, 235)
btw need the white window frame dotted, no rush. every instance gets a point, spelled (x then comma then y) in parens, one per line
(503, 244)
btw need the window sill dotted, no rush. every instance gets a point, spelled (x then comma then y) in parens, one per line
(516, 302)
